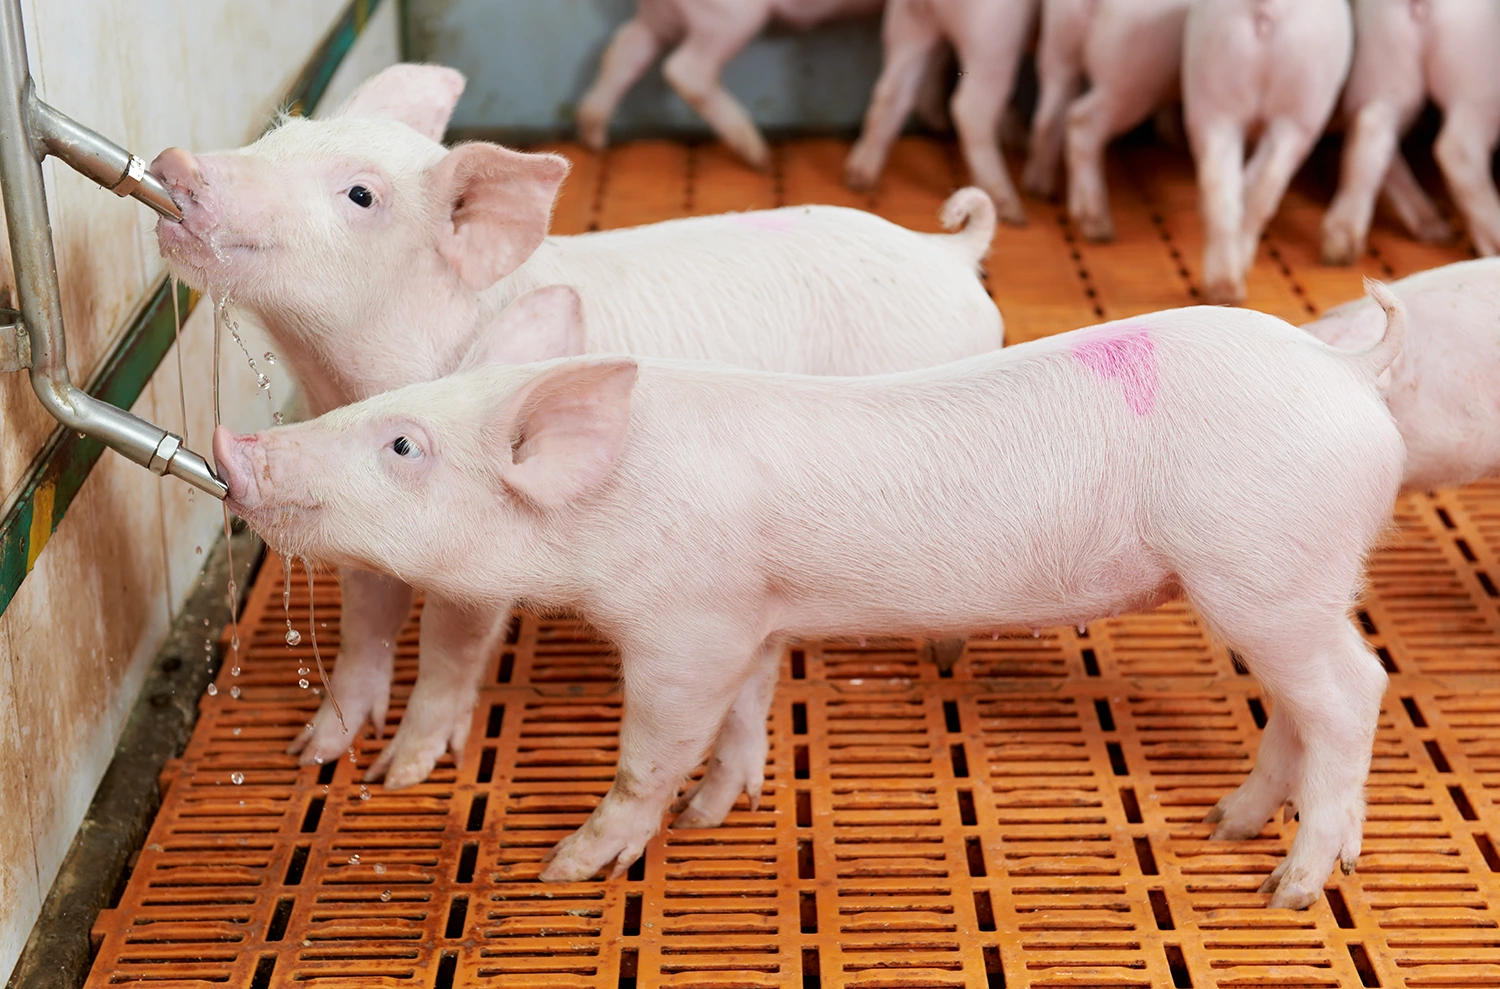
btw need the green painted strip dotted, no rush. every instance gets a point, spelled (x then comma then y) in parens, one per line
(67, 458)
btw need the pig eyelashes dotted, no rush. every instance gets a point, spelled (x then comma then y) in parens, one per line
(361, 197)
(406, 449)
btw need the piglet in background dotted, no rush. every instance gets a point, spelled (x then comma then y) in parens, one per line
(1404, 52)
(988, 37)
(703, 37)
(1130, 53)
(1444, 388)
(1273, 66)
(375, 257)
(703, 517)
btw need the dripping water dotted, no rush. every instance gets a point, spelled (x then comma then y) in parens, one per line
(317, 656)
(220, 314)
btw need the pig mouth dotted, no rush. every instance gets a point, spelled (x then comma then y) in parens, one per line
(182, 246)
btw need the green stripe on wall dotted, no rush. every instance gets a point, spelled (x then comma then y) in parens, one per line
(67, 458)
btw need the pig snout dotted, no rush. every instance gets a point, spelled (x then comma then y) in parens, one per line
(181, 173)
(232, 458)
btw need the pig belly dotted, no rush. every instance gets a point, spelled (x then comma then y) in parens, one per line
(986, 594)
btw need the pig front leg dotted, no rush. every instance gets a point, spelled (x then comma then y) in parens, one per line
(738, 761)
(693, 71)
(911, 41)
(674, 707)
(456, 642)
(630, 53)
(374, 609)
(1464, 149)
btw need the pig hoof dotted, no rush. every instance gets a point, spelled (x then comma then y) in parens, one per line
(593, 130)
(1038, 185)
(1097, 229)
(1224, 291)
(1434, 230)
(1235, 831)
(945, 653)
(1010, 211)
(859, 175)
(1340, 246)
(1290, 896)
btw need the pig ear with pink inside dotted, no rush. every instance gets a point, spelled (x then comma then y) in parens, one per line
(499, 206)
(563, 430)
(541, 325)
(420, 96)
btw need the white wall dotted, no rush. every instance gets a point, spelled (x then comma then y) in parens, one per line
(76, 640)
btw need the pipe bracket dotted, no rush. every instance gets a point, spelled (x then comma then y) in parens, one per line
(15, 342)
(135, 170)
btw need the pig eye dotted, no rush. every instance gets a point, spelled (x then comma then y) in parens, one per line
(406, 448)
(363, 198)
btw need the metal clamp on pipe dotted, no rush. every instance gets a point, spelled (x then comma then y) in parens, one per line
(29, 131)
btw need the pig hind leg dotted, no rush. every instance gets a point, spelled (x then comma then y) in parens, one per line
(1059, 78)
(1411, 204)
(1369, 153)
(1326, 688)
(1464, 150)
(1219, 148)
(911, 40)
(374, 609)
(738, 762)
(630, 53)
(694, 68)
(1281, 150)
(672, 714)
(456, 643)
(984, 90)
(1278, 766)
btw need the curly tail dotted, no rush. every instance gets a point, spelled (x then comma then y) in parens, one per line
(1384, 353)
(970, 214)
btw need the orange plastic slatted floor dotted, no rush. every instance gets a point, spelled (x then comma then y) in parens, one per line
(1032, 820)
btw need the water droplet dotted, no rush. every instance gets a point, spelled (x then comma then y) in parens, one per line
(310, 726)
(236, 778)
(302, 683)
(237, 731)
(199, 551)
(270, 357)
(234, 692)
(303, 671)
(385, 896)
(205, 621)
(354, 859)
(386, 643)
(1036, 633)
(994, 635)
(364, 792)
(1083, 627)
(213, 690)
(317, 758)
(278, 418)
(263, 381)
(234, 671)
(293, 637)
(379, 869)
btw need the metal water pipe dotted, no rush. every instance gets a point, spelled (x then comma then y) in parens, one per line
(30, 130)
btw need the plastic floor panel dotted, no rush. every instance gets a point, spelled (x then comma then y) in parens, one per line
(1032, 820)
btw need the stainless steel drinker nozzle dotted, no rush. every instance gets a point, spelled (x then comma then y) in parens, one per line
(29, 131)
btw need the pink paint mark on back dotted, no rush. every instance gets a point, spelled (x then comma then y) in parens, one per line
(1126, 356)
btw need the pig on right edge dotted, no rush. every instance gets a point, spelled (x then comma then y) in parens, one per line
(703, 517)
(374, 257)
(1275, 66)
(1444, 388)
(1405, 50)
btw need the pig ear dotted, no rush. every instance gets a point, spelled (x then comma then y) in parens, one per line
(420, 96)
(499, 205)
(539, 326)
(565, 428)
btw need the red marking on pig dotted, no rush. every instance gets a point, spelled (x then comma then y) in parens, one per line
(1126, 356)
